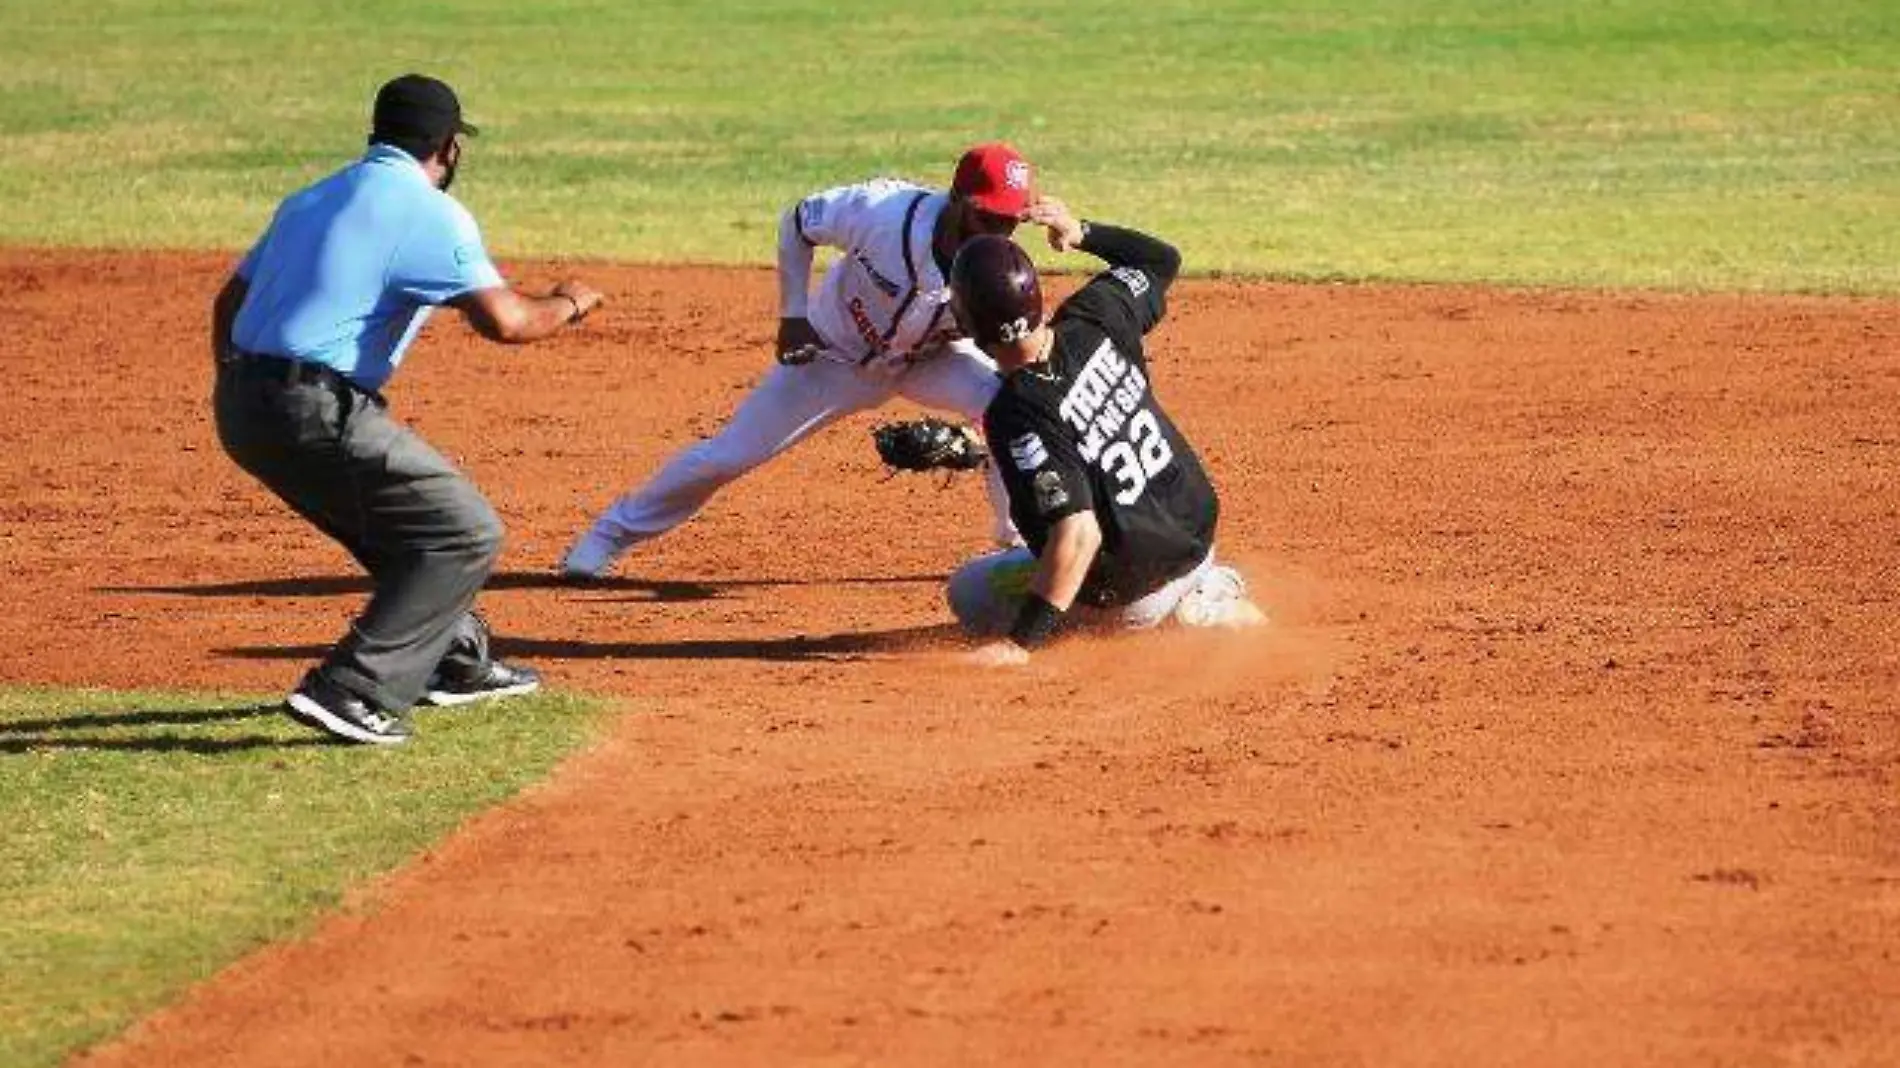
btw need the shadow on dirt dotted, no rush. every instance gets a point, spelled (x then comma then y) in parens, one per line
(72, 732)
(849, 646)
(651, 589)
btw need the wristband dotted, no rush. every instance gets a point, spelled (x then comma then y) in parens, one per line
(1035, 622)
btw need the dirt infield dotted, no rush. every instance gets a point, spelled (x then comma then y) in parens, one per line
(1573, 743)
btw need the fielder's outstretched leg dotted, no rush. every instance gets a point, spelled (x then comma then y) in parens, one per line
(789, 405)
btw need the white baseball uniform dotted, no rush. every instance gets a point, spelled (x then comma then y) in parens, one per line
(883, 314)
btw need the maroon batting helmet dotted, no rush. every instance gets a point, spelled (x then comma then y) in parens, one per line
(994, 291)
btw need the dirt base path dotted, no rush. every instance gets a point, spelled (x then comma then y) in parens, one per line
(1574, 742)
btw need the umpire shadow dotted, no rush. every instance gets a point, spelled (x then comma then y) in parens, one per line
(339, 585)
(162, 744)
(833, 647)
(74, 732)
(181, 717)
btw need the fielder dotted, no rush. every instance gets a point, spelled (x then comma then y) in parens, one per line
(1117, 514)
(879, 327)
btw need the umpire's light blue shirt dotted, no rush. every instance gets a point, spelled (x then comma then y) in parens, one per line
(351, 267)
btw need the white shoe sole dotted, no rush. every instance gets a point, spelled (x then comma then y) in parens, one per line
(1244, 614)
(314, 714)
(1225, 615)
(445, 699)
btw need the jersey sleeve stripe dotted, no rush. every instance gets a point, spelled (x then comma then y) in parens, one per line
(798, 223)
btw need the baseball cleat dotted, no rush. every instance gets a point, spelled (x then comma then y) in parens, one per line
(1219, 600)
(1242, 613)
(494, 679)
(319, 703)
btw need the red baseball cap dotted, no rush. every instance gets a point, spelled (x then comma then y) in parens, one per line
(995, 177)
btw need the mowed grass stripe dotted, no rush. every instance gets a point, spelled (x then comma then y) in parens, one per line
(1721, 144)
(150, 839)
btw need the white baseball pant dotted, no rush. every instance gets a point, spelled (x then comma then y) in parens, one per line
(789, 405)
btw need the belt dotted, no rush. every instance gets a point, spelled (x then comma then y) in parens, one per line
(287, 369)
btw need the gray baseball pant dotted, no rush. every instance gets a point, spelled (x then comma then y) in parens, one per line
(420, 528)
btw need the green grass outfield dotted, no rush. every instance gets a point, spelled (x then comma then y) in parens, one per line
(1725, 144)
(146, 840)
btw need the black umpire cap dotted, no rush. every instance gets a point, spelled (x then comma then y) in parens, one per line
(417, 110)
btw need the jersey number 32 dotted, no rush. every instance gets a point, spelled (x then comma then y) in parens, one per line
(1144, 454)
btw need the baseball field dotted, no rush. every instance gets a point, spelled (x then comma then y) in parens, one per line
(1546, 355)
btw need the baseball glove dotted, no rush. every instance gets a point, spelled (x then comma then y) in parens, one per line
(929, 445)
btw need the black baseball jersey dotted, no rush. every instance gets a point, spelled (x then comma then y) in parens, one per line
(1083, 430)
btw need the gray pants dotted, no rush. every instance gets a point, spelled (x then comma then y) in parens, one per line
(424, 533)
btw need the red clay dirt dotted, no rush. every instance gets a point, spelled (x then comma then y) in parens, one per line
(1573, 741)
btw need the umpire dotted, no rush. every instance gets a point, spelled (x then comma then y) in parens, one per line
(307, 330)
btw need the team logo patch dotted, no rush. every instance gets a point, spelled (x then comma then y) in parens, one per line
(1028, 451)
(1051, 494)
(1016, 174)
(861, 319)
(464, 255)
(1136, 281)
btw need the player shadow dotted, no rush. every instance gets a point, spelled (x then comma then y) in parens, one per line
(662, 590)
(858, 645)
(73, 732)
(795, 648)
(10, 746)
(170, 717)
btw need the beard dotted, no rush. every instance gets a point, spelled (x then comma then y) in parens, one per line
(451, 156)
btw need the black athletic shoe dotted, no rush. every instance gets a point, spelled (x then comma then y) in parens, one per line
(322, 704)
(495, 679)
